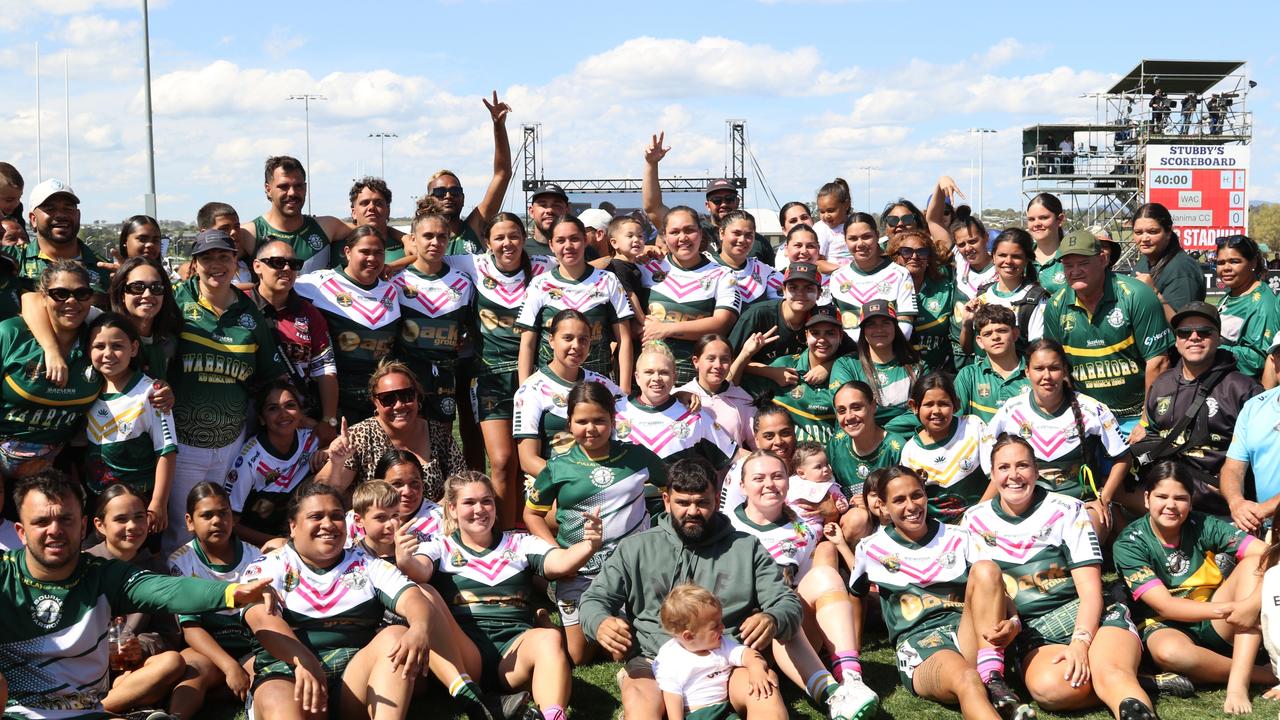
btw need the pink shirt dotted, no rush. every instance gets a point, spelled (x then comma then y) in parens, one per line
(731, 408)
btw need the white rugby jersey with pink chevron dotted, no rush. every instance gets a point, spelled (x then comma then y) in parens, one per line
(354, 581)
(1059, 521)
(669, 430)
(426, 522)
(489, 568)
(330, 291)
(754, 281)
(1052, 437)
(433, 297)
(852, 288)
(788, 542)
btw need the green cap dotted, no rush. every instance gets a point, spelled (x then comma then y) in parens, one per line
(1079, 242)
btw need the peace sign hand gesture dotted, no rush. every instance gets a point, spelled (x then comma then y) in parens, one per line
(655, 152)
(592, 528)
(498, 110)
(756, 341)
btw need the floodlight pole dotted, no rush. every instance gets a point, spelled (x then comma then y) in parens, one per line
(149, 201)
(306, 99)
(382, 150)
(981, 188)
(868, 168)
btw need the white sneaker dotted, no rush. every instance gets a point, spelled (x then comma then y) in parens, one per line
(853, 700)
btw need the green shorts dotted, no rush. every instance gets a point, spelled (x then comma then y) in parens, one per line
(718, 711)
(1201, 633)
(1057, 626)
(494, 642)
(267, 667)
(492, 396)
(915, 647)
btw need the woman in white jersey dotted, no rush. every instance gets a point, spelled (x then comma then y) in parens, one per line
(576, 285)
(218, 644)
(754, 280)
(541, 425)
(689, 295)
(325, 654)
(870, 276)
(975, 268)
(790, 541)
(1074, 651)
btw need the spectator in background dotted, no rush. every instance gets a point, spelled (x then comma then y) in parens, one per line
(12, 231)
(55, 217)
(445, 186)
(11, 186)
(1163, 265)
(371, 205)
(596, 222)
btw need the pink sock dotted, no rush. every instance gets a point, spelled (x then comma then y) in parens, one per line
(845, 661)
(553, 712)
(990, 662)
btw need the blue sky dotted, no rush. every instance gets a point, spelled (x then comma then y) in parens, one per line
(826, 88)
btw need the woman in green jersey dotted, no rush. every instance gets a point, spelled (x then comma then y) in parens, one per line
(932, 280)
(1045, 217)
(1250, 316)
(1176, 277)
(860, 448)
(886, 362)
(1198, 616)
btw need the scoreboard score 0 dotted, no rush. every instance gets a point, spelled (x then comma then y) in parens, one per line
(1204, 188)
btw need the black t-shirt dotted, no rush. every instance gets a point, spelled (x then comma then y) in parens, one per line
(628, 274)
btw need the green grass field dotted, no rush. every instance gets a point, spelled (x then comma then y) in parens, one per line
(595, 695)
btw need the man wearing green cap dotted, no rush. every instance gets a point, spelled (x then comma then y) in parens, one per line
(1112, 326)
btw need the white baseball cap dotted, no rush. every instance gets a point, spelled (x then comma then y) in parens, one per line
(47, 189)
(595, 218)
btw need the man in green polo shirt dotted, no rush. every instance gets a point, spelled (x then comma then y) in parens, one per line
(55, 218)
(1112, 326)
(984, 384)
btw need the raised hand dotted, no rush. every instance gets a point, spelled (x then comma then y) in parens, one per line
(757, 341)
(340, 449)
(498, 110)
(949, 188)
(592, 528)
(655, 152)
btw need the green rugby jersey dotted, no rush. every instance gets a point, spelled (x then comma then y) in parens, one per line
(219, 358)
(434, 310)
(931, 336)
(224, 625)
(982, 391)
(127, 436)
(33, 409)
(310, 242)
(951, 467)
(1110, 347)
(1036, 550)
(1187, 570)
(891, 382)
(499, 296)
(53, 634)
(811, 407)
(597, 294)
(576, 483)
(363, 325)
(851, 469)
(1250, 321)
(466, 242)
(1051, 275)
(677, 294)
(32, 261)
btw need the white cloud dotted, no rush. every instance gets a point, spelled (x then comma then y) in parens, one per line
(281, 41)
(95, 30)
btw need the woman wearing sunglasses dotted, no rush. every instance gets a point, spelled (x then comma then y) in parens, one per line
(931, 336)
(363, 315)
(37, 417)
(1250, 318)
(871, 276)
(397, 424)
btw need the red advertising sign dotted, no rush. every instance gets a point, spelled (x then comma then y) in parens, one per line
(1204, 187)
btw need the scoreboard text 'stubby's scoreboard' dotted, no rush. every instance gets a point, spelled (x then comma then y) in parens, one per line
(1204, 188)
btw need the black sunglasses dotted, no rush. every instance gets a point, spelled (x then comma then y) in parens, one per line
(280, 263)
(137, 287)
(441, 192)
(907, 253)
(723, 199)
(1235, 241)
(1204, 331)
(388, 399)
(61, 294)
(895, 220)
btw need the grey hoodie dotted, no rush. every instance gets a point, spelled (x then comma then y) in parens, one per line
(731, 564)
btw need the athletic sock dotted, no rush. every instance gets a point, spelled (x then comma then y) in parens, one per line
(553, 712)
(820, 685)
(465, 688)
(990, 662)
(842, 662)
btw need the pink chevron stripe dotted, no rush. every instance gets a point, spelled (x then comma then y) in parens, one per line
(1047, 444)
(491, 569)
(433, 304)
(428, 525)
(322, 600)
(1018, 550)
(926, 575)
(372, 317)
(666, 434)
(776, 549)
(286, 479)
(681, 290)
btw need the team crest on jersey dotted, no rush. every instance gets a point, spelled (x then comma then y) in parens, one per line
(343, 299)
(32, 370)
(447, 405)
(456, 559)
(409, 291)
(968, 464)
(1115, 318)
(933, 305)
(892, 563)
(290, 578)
(315, 241)
(354, 579)
(989, 538)
(788, 547)
(882, 379)
(247, 322)
(602, 477)
(706, 283)
(555, 293)
(797, 392)
(659, 276)
(932, 640)
(845, 287)
(489, 283)
(47, 611)
(191, 310)
(1024, 429)
(984, 390)
(387, 301)
(682, 430)
(1164, 402)
(947, 559)
(559, 400)
(1177, 562)
(1068, 323)
(863, 471)
(623, 429)
(733, 280)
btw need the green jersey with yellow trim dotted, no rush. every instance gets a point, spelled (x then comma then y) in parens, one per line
(127, 436)
(1036, 550)
(490, 588)
(851, 469)
(576, 483)
(891, 383)
(1250, 321)
(981, 390)
(810, 406)
(310, 242)
(921, 584)
(677, 294)
(363, 325)
(224, 625)
(434, 310)
(931, 336)
(541, 408)
(597, 294)
(951, 468)
(499, 296)
(32, 261)
(1109, 347)
(219, 358)
(32, 409)
(1050, 275)
(53, 634)
(1187, 570)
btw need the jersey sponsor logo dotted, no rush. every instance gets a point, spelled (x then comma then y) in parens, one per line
(47, 611)
(349, 341)
(602, 477)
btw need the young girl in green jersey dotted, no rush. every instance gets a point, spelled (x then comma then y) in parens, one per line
(858, 449)
(1197, 615)
(886, 362)
(218, 644)
(945, 450)
(147, 665)
(599, 472)
(130, 440)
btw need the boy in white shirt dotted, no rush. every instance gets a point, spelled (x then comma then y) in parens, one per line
(693, 668)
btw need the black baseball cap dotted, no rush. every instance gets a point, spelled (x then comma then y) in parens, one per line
(822, 314)
(877, 308)
(1197, 308)
(207, 240)
(550, 189)
(802, 271)
(721, 184)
